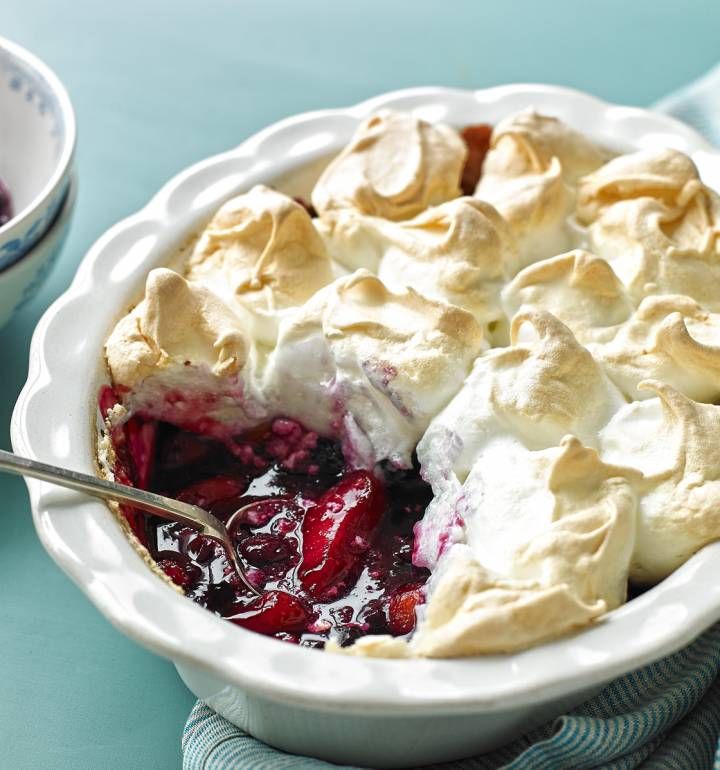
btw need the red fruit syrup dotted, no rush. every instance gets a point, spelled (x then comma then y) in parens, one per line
(330, 547)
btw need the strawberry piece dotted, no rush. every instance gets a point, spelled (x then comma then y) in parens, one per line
(346, 515)
(401, 609)
(134, 444)
(141, 439)
(204, 549)
(107, 399)
(274, 612)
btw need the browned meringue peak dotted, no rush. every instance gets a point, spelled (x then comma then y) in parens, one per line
(530, 174)
(261, 249)
(521, 399)
(535, 566)
(673, 441)
(531, 394)
(578, 288)
(656, 223)
(395, 166)
(460, 252)
(547, 385)
(374, 364)
(664, 174)
(669, 338)
(473, 612)
(178, 321)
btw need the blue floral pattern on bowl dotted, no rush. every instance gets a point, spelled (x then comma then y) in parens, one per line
(20, 282)
(30, 88)
(12, 251)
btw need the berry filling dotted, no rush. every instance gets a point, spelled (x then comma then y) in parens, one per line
(306, 205)
(477, 140)
(6, 207)
(331, 547)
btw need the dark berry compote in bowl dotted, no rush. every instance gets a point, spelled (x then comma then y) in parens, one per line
(330, 547)
(6, 205)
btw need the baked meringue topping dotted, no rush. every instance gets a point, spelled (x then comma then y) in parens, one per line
(545, 354)
(378, 363)
(261, 251)
(461, 252)
(669, 338)
(530, 175)
(182, 338)
(547, 550)
(394, 167)
(517, 400)
(578, 288)
(650, 216)
(672, 441)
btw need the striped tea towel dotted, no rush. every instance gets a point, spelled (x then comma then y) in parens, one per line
(665, 716)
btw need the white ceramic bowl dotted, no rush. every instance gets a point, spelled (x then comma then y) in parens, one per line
(381, 713)
(37, 143)
(20, 281)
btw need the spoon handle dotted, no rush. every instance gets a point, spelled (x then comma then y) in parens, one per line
(164, 507)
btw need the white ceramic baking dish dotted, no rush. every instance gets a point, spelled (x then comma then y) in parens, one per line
(381, 713)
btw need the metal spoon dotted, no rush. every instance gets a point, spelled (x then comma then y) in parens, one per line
(164, 507)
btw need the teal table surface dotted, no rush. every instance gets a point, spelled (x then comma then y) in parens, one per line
(159, 85)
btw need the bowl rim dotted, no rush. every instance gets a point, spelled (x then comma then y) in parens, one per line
(20, 219)
(132, 598)
(61, 220)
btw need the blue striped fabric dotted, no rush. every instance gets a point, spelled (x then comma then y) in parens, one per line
(665, 716)
(698, 105)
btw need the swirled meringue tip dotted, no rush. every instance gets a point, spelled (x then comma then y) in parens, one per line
(670, 338)
(460, 252)
(656, 223)
(532, 140)
(262, 251)
(530, 174)
(578, 288)
(546, 384)
(178, 321)
(375, 364)
(395, 166)
(666, 175)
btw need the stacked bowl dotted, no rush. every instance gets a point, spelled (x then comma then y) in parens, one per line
(37, 182)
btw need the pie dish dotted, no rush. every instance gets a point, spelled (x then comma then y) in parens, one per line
(515, 688)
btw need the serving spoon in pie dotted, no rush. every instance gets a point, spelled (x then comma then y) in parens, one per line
(164, 507)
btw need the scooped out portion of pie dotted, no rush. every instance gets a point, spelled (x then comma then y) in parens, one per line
(436, 424)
